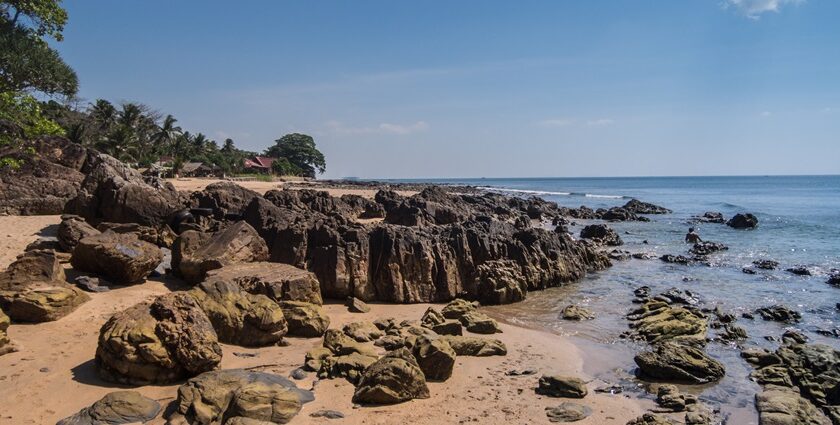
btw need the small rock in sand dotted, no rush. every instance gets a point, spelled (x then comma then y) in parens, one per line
(567, 412)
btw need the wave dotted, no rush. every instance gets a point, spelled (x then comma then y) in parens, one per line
(546, 192)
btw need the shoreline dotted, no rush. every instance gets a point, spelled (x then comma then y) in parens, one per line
(57, 358)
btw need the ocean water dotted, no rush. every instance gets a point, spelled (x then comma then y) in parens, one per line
(799, 224)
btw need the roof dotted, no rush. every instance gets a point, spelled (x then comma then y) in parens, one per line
(191, 166)
(259, 162)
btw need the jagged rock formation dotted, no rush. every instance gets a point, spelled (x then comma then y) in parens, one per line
(122, 258)
(195, 253)
(278, 281)
(678, 362)
(601, 234)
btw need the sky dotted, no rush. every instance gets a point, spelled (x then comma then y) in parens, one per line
(399, 89)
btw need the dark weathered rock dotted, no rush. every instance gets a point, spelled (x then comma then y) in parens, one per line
(157, 343)
(799, 270)
(435, 358)
(501, 282)
(601, 234)
(305, 319)
(669, 397)
(355, 305)
(479, 323)
(573, 312)
(766, 264)
(162, 236)
(472, 346)
(743, 221)
(677, 259)
(195, 254)
(92, 284)
(240, 317)
(122, 258)
(72, 229)
(567, 412)
(562, 386)
(709, 217)
(240, 397)
(784, 406)
(33, 289)
(280, 282)
(119, 407)
(639, 207)
(224, 199)
(834, 279)
(707, 247)
(779, 313)
(672, 361)
(457, 308)
(394, 378)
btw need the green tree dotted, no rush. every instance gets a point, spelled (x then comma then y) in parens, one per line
(23, 111)
(300, 151)
(27, 62)
(282, 167)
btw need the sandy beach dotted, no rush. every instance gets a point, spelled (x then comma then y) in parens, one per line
(53, 376)
(193, 184)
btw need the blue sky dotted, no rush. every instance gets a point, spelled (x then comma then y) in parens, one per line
(485, 88)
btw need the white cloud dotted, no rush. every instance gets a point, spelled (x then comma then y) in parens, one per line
(753, 9)
(384, 128)
(600, 122)
(557, 122)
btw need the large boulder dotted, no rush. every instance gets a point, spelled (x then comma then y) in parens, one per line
(238, 396)
(601, 234)
(394, 378)
(743, 221)
(479, 323)
(457, 308)
(638, 207)
(50, 174)
(239, 317)
(5, 343)
(784, 406)
(672, 361)
(157, 343)
(118, 407)
(224, 199)
(656, 321)
(122, 258)
(34, 289)
(114, 192)
(435, 358)
(500, 282)
(304, 319)
(562, 386)
(278, 281)
(194, 253)
(71, 230)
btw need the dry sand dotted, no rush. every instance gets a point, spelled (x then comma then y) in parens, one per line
(53, 375)
(194, 184)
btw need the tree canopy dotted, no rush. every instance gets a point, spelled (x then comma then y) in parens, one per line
(300, 151)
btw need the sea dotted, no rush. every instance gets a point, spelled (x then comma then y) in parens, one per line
(799, 225)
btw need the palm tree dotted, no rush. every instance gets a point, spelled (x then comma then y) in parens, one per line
(166, 134)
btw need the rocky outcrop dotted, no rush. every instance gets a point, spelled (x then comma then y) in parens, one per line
(239, 317)
(766, 264)
(194, 253)
(500, 282)
(394, 378)
(238, 396)
(34, 289)
(638, 207)
(799, 270)
(113, 192)
(457, 308)
(50, 175)
(709, 217)
(122, 258)
(781, 405)
(743, 221)
(601, 234)
(305, 319)
(479, 323)
(656, 321)
(562, 386)
(157, 343)
(707, 247)
(779, 313)
(119, 407)
(278, 281)
(71, 230)
(678, 362)
(226, 200)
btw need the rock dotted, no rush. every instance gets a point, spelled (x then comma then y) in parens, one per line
(340, 344)
(743, 221)
(638, 207)
(162, 236)
(348, 366)
(601, 234)
(362, 331)
(224, 199)
(304, 319)
(436, 358)
(313, 359)
(457, 308)
(677, 259)
(119, 407)
(500, 282)
(707, 247)
(766, 264)
(618, 214)
(92, 284)
(232, 395)
(799, 271)
(472, 346)
(784, 406)
(157, 343)
(71, 230)
(678, 296)
(122, 258)
(697, 418)
(779, 313)
(394, 378)
(479, 323)
(567, 412)
(619, 255)
(709, 217)
(669, 397)
(656, 321)
(44, 243)
(355, 305)
(5, 343)
(573, 312)
(650, 419)
(834, 279)
(194, 255)
(329, 414)
(760, 357)
(390, 342)
(671, 361)
(33, 289)
(280, 282)
(748, 270)
(562, 386)
(239, 317)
